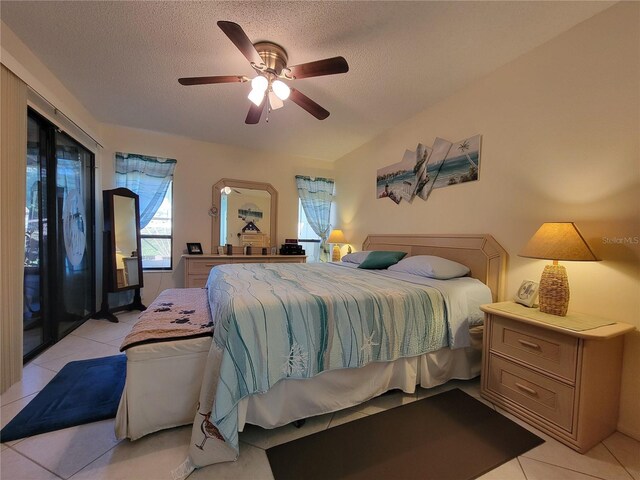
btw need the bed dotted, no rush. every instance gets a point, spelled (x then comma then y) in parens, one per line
(288, 396)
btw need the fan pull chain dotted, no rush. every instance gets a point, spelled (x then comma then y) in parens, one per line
(268, 112)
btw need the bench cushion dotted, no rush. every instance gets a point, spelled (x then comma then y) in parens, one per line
(177, 313)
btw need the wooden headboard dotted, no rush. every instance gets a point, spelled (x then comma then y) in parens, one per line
(481, 253)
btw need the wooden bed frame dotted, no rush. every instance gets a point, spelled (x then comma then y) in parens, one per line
(480, 252)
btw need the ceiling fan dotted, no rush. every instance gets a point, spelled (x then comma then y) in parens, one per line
(269, 60)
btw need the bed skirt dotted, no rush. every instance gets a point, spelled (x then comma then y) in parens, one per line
(164, 380)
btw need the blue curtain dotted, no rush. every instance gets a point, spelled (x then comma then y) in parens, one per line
(316, 196)
(149, 177)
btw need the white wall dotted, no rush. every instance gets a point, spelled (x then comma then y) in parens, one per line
(560, 130)
(200, 165)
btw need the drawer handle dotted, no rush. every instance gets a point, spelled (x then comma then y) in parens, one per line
(529, 344)
(210, 264)
(524, 388)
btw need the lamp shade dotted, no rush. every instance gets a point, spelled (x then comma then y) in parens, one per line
(336, 236)
(274, 101)
(259, 83)
(256, 96)
(281, 89)
(558, 241)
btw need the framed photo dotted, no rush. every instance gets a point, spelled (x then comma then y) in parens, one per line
(194, 248)
(527, 293)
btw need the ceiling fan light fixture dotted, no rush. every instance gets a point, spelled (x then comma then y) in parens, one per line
(256, 96)
(274, 101)
(281, 89)
(259, 83)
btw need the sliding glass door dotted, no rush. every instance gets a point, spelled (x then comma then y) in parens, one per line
(36, 333)
(59, 264)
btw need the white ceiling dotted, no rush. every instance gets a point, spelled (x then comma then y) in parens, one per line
(122, 61)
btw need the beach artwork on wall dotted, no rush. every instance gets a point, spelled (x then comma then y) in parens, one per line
(428, 168)
(400, 181)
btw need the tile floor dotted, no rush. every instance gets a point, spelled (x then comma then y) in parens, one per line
(92, 451)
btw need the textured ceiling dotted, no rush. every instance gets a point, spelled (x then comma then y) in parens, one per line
(122, 61)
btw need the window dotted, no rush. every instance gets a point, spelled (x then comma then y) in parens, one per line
(157, 237)
(307, 237)
(316, 199)
(152, 179)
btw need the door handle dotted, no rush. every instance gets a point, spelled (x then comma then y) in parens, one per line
(529, 344)
(526, 389)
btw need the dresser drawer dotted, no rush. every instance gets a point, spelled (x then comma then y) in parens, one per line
(196, 281)
(202, 267)
(548, 398)
(547, 350)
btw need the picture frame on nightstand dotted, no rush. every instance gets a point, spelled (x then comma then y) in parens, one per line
(527, 293)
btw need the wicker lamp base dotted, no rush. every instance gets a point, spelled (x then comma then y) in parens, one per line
(335, 254)
(554, 290)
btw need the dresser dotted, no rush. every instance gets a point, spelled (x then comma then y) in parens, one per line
(197, 267)
(562, 381)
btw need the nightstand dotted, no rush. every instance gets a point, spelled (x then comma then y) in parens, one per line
(564, 382)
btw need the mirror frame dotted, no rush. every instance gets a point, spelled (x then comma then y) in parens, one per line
(215, 209)
(109, 250)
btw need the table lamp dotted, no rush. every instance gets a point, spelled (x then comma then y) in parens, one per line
(337, 238)
(557, 241)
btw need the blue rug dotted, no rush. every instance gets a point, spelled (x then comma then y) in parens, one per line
(82, 392)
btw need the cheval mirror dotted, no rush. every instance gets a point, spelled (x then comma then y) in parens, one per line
(122, 263)
(244, 213)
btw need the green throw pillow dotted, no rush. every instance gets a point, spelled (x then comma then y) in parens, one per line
(377, 260)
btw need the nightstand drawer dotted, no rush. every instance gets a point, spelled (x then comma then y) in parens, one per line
(537, 393)
(546, 350)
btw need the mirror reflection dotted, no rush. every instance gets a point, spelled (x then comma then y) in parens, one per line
(126, 241)
(244, 213)
(245, 217)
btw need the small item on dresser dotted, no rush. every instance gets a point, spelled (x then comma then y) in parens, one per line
(192, 248)
(220, 250)
(291, 249)
(264, 250)
(229, 249)
(248, 250)
(527, 293)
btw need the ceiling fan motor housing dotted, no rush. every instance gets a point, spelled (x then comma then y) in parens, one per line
(274, 56)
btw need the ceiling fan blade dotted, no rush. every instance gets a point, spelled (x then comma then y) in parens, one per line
(255, 112)
(240, 40)
(209, 80)
(309, 105)
(328, 66)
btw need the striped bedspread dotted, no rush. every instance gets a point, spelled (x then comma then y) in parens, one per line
(276, 321)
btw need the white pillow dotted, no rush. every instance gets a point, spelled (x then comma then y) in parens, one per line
(430, 266)
(356, 257)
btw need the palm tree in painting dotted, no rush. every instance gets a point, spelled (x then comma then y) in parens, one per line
(463, 147)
